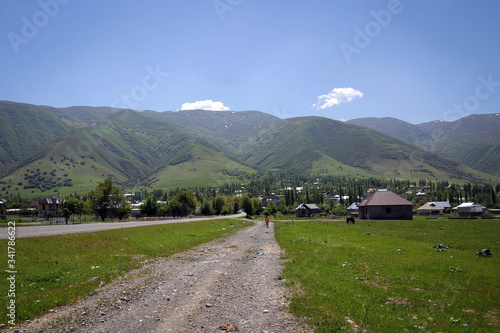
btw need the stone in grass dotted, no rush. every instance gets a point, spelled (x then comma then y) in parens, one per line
(441, 247)
(483, 253)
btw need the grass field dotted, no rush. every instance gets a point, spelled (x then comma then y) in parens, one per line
(386, 276)
(57, 270)
(207, 167)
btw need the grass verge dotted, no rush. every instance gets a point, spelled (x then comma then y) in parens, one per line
(394, 276)
(57, 270)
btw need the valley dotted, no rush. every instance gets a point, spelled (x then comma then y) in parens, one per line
(49, 151)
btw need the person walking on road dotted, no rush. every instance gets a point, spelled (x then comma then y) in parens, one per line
(267, 221)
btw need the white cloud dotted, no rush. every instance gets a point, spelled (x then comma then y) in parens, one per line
(205, 105)
(337, 96)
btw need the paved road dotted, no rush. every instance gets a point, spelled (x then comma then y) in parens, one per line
(50, 230)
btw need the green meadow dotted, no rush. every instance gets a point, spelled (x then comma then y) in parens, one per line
(393, 276)
(58, 270)
(382, 276)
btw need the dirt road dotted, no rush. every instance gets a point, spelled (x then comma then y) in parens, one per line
(227, 285)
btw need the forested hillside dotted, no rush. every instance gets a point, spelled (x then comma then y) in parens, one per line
(45, 149)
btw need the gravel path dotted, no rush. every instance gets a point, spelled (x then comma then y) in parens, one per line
(227, 285)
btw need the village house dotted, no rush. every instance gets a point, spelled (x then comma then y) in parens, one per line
(421, 194)
(129, 197)
(33, 205)
(446, 205)
(135, 209)
(431, 208)
(306, 210)
(353, 209)
(49, 207)
(3, 210)
(273, 198)
(470, 209)
(385, 205)
(338, 198)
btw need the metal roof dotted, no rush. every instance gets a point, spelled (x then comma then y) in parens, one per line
(445, 204)
(354, 205)
(468, 204)
(307, 206)
(385, 198)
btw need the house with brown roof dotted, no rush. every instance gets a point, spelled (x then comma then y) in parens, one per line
(385, 205)
(3, 210)
(49, 207)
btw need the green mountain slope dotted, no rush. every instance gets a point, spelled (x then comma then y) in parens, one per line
(83, 116)
(473, 140)
(75, 162)
(227, 130)
(25, 128)
(394, 127)
(69, 150)
(133, 150)
(298, 143)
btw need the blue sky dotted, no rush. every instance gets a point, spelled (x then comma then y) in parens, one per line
(414, 60)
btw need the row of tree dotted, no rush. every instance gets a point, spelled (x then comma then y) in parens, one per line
(108, 199)
(298, 188)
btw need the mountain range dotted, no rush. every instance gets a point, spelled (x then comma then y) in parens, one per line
(473, 140)
(68, 150)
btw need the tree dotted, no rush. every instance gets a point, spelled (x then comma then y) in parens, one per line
(247, 206)
(150, 207)
(164, 210)
(271, 208)
(339, 210)
(106, 199)
(257, 206)
(123, 210)
(175, 207)
(236, 206)
(206, 208)
(283, 209)
(218, 204)
(70, 206)
(187, 202)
